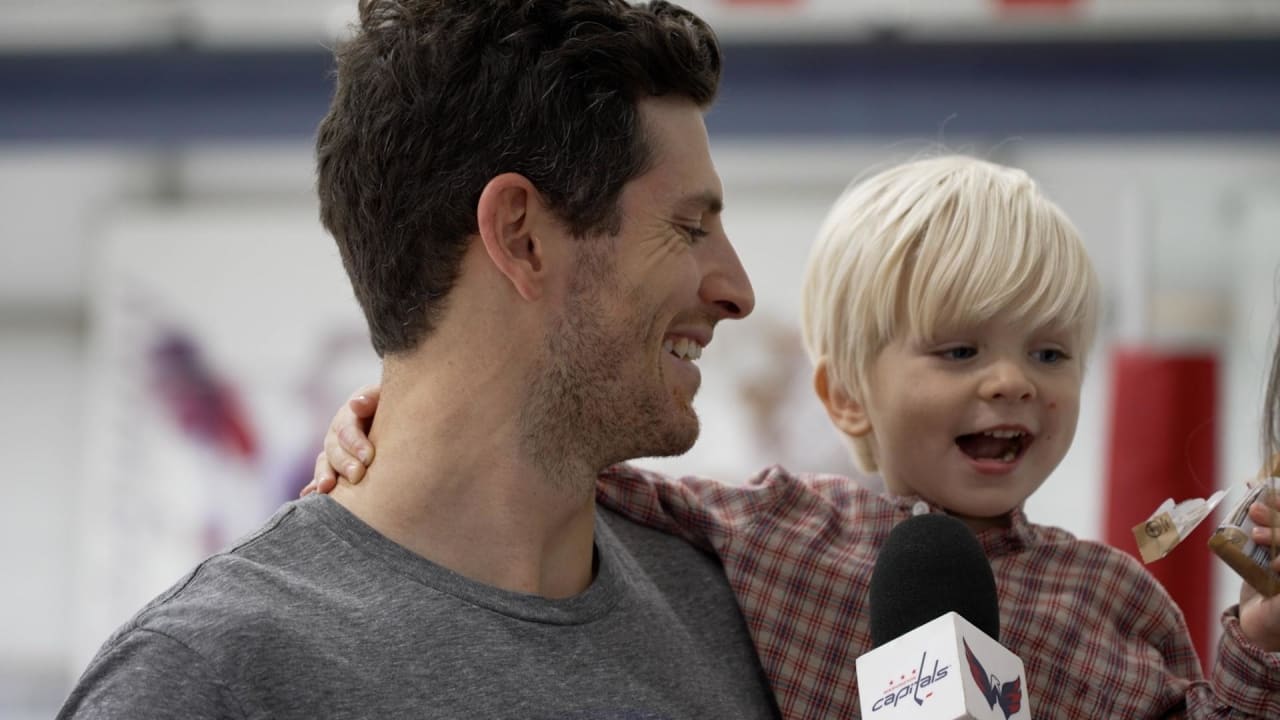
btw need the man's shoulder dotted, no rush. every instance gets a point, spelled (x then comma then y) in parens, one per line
(636, 537)
(224, 583)
(666, 561)
(257, 588)
(303, 594)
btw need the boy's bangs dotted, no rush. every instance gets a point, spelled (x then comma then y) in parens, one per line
(1026, 268)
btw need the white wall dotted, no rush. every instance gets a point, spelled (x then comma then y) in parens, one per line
(40, 379)
(49, 204)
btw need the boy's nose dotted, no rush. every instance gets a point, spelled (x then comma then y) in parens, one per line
(1007, 381)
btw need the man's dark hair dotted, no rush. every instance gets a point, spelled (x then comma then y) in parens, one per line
(436, 97)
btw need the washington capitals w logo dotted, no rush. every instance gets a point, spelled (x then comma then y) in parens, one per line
(1008, 695)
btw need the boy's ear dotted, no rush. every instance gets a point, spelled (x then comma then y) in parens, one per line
(846, 412)
(509, 210)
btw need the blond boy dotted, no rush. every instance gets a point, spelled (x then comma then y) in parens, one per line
(949, 309)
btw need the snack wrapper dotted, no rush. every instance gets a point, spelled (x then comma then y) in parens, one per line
(1171, 523)
(1233, 542)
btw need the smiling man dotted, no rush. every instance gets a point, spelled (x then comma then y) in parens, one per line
(524, 200)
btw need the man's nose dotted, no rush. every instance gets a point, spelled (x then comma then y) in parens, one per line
(724, 282)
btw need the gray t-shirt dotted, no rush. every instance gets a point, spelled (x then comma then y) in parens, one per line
(317, 615)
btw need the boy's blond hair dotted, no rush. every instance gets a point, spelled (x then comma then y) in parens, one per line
(934, 244)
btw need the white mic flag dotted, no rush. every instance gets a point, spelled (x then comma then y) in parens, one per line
(946, 669)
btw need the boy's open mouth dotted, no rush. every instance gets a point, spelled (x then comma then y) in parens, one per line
(1001, 445)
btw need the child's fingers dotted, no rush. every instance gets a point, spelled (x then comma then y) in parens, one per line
(1266, 520)
(339, 461)
(365, 401)
(1270, 497)
(1264, 514)
(1263, 535)
(352, 424)
(323, 479)
(323, 472)
(354, 442)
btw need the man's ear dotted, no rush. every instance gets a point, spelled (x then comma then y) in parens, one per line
(508, 212)
(848, 413)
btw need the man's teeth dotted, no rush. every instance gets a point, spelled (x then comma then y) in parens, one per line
(1009, 456)
(683, 348)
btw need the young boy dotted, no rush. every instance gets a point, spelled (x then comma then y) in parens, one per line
(949, 309)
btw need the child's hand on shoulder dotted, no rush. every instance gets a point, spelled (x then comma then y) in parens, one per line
(347, 451)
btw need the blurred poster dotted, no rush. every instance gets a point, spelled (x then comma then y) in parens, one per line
(221, 341)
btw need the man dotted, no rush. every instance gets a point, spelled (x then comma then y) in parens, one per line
(523, 197)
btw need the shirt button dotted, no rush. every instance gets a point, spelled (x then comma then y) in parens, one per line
(920, 508)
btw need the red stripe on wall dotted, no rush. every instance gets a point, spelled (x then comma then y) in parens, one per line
(1163, 444)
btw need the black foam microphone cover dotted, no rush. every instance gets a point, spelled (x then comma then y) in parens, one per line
(930, 565)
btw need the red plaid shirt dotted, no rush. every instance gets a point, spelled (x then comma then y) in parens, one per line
(1099, 636)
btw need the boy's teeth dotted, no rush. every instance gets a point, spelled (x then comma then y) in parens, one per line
(1008, 456)
(1002, 433)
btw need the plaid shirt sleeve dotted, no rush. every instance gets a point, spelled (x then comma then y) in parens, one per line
(1102, 638)
(703, 512)
(1246, 679)
(1099, 636)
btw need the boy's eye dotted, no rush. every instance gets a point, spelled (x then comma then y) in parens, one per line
(1050, 356)
(957, 353)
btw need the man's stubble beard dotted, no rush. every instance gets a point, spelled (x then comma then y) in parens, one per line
(595, 399)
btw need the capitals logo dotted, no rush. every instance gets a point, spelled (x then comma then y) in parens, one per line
(915, 685)
(1007, 695)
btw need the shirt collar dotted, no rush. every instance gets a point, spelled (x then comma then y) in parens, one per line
(995, 542)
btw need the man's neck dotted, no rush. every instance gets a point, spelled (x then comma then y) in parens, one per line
(449, 483)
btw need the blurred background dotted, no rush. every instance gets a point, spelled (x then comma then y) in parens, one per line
(176, 328)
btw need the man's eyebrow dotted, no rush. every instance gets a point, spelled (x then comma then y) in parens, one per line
(705, 201)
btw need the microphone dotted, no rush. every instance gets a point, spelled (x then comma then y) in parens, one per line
(935, 629)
